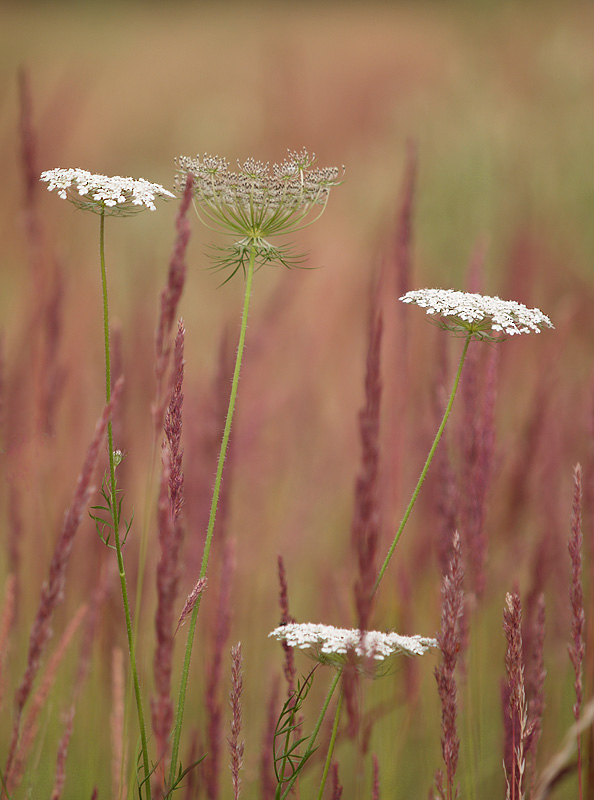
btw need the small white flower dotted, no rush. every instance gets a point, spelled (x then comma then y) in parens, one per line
(103, 194)
(477, 314)
(330, 645)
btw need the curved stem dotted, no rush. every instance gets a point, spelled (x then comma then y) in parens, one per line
(425, 468)
(331, 746)
(212, 518)
(312, 739)
(115, 515)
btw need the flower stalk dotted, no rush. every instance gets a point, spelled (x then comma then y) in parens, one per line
(212, 517)
(425, 469)
(115, 515)
(473, 316)
(331, 745)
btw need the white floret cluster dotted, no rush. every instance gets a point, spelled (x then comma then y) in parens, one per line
(101, 192)
(477, 313)
(257, 202)
(254, 191)
(328, 644)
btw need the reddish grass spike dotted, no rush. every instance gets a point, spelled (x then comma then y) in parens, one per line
(527, 453)
(449, 640)
(213, 678)
(534, 680)
(84, 662)
(286, 618)
(366, 514)
(171, 534)
(3, 439)
(191, 602)
(236, 747)
(375, 794)
(60, 778)
(167, 580)
(51, 374)
(6, 624)
(18, 755)
(350, 685)
(477, 437)
(170, 297)
(53, 590)
(173, 426)
(267, 780)
(576, 598)
(30, 174)
(515, 756)
(336, 785)
(403, 237)
(476, 267)
(442, 477)
(15, 537)
(28, 141)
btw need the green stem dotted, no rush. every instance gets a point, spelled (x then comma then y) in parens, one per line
(116, 517)
(211, 519)
(331, 747)
(425, 468)
(312, 739)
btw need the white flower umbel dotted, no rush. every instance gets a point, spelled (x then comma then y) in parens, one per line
(254, 203)
(473, 316)
(477, 314)
(330, 645)
(113, 196)
(103, 194)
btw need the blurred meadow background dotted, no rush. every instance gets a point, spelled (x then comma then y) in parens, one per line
(466, 130)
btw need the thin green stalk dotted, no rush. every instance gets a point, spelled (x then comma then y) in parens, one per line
(212, 518)
(316, 730)
(331, 746)
(116, 517)
(425, 468)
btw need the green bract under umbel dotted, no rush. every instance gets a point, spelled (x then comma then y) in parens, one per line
(256, 203)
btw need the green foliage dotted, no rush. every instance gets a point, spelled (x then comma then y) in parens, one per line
(288, 762)
(105, 523)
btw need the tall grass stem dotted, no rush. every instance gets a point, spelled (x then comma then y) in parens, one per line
(116, 517)
(212, 517)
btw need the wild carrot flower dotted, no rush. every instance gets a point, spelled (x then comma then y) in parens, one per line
(255, 204)
(103, 194)
(111, 196)
(474, 316)
(252, 205)
(477, 314)
(330, 645)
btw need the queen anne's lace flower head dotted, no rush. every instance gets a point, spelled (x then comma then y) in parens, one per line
(478, 314)
(102, 194)
(330, 645)
(254, 203)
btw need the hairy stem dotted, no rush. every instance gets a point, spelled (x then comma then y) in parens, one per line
(116, 518)
(331, 746)
(425, 468)
(212, 518)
